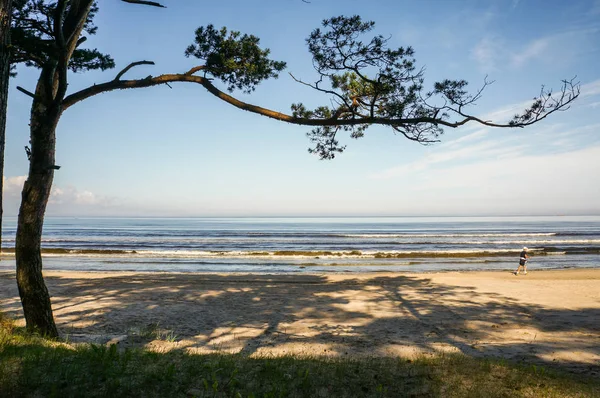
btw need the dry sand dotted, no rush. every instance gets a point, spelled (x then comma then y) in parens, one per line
(546, 317)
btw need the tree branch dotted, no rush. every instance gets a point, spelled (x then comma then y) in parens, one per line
(147, 3)
(74, 21)
(80, 41)
(195, 69)
(131, 65)
(58, 19)
(68, 29)
(26, 92)
(61, 49)
(316, 87)
(332, 121)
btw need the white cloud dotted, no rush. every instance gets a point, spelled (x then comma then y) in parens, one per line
(73, 196)
(61, 196)
(476, 150)
(13, 185)
(64, 200)
(549, 178)
(558, 183)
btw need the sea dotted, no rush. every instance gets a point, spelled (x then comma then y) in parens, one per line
(312, 245)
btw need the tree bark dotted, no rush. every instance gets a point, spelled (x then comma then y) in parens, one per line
(5, 17)
(36, 192)
(46, 111)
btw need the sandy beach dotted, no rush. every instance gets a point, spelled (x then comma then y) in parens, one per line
(546, 317)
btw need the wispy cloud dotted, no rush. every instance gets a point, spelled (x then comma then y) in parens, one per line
(589, 93)
(487, 53)
(590, 89)
(477, 135)
(595, 10)
(482, 147)
(533, 50)
(494, 53)
(546, 174)
(528, 181)
(482, 150)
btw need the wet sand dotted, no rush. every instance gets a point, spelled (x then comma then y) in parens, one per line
(546, 317)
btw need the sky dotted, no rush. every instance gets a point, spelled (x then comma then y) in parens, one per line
(181, 152)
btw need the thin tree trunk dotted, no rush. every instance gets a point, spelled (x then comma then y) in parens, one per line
(36, 192)
(5, 17)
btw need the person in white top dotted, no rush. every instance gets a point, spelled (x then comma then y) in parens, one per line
(523, 257)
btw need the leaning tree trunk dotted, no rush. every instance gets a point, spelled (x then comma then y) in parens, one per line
(5, 17)
(36, 192)
(45, 114)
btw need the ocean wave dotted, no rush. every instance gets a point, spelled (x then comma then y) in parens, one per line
(253, 235)
(453, 235)
(530, 242)
(365, 254)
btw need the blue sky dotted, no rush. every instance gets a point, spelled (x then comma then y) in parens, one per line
(182, 152)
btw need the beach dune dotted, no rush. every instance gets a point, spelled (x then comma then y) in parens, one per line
(546, 317)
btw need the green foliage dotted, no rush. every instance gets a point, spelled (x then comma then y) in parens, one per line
(34, 39)
(370, 83)
(86, 59)
(233, 58)
(324, 138)
(368, 80)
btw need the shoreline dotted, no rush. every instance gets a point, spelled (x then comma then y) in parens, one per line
(305, 271)
(362, 274)
(548, 318)
(301, 266)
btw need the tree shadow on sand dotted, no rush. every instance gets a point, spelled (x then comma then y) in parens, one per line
(310, 314)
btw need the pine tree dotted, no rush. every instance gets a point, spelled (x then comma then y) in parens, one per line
(366, 84)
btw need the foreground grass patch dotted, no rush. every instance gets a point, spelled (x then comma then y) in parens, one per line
(32, 366)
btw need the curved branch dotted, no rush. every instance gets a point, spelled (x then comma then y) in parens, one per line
(316, 87)
(81, 41)
(332, 121)
(131, 65)
(195, 69)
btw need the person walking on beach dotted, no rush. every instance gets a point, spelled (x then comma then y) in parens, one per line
(522, 262)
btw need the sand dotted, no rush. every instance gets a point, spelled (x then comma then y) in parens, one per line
(546, 317)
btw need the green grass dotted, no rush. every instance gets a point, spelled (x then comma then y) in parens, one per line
(33, 366)
(154, 332)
